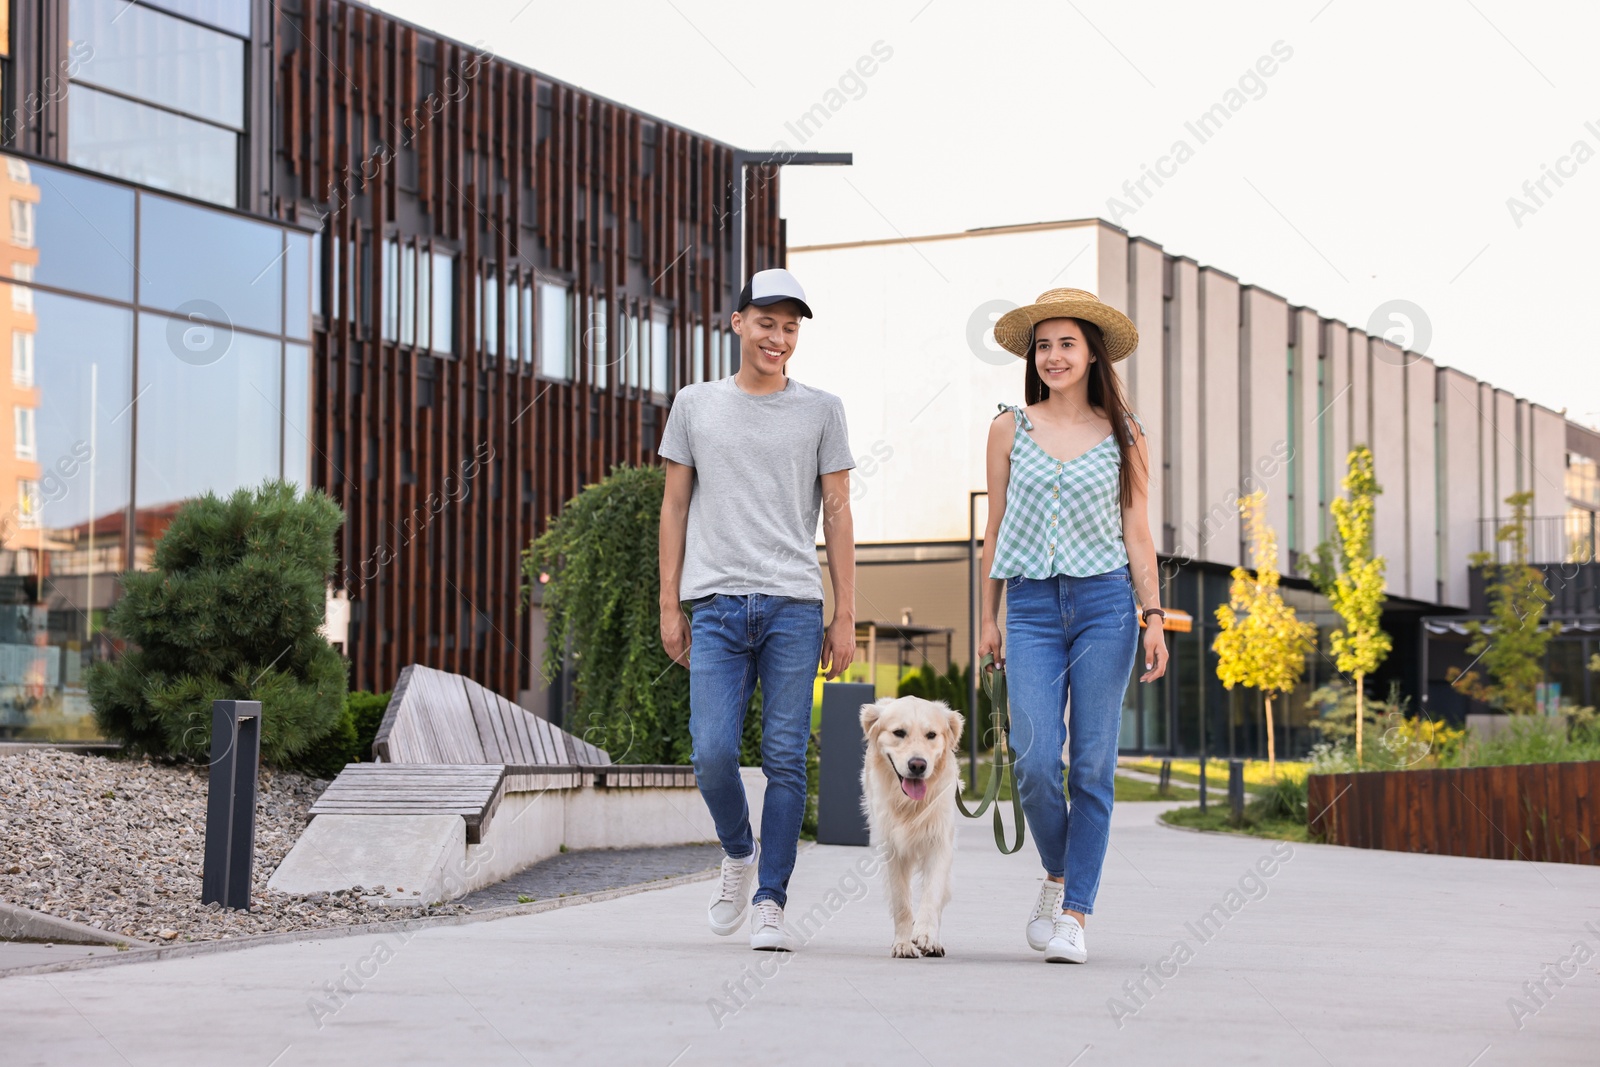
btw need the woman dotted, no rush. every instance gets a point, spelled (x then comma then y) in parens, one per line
(1069, 539)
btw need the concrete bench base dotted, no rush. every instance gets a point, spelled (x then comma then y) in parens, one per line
(426, 858)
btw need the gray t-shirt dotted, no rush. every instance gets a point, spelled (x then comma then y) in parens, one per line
(758, 463)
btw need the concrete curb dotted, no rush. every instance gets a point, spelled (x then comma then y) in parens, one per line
(23, 924)
(206, 948)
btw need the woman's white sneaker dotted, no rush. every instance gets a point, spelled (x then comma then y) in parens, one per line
(1043, 921)
(766, 928)
(731, 899)
(1066, 941)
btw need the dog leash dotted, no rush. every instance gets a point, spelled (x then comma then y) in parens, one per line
(1005, 764)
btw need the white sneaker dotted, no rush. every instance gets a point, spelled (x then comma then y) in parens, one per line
(1066, 942)
(766, 928)
(732, 897)
(1043, 922)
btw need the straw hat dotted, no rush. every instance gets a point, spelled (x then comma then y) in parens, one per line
(1014, 331)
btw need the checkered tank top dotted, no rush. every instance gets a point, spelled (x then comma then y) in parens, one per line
(1061, 517)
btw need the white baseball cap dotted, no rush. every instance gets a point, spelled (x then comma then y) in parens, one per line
(768, 287)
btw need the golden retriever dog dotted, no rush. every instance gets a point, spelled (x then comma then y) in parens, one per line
(908, 785)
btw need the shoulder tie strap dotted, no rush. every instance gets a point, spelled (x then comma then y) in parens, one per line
(1021, 416)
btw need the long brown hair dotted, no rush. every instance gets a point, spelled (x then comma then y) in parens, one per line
(1105, 393)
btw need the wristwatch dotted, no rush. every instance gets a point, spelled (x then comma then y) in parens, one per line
(1144, 616)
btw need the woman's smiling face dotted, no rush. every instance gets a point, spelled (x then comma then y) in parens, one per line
(1060, 353)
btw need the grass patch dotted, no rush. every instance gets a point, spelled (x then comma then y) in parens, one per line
(1215, 817)
(1127, 789)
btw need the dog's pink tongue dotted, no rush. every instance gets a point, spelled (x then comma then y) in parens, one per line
(915, 788)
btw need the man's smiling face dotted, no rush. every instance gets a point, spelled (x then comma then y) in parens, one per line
(767, 336)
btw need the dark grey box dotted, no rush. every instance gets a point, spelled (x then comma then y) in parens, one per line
(840, 820)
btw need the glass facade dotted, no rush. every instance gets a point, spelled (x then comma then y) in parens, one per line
(157, 97)
(138, 381)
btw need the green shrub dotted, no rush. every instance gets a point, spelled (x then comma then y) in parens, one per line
(1526, 740)
(950, 687)
(231, 609)
(603, 599)
(1285, 798)
(350, 740)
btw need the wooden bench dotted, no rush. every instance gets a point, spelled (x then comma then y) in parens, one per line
(438, 717)
(471, 791)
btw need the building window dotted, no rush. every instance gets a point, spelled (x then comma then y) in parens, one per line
(22, 359)
(159, 99)
(22, 223)
(489, 313)
(555, 332)
(22, 295)
(660, 351)
(27, 439)
(443, 286)
(28, 503)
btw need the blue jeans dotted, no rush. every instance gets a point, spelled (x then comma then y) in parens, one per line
(735, 641)
(1069, 639)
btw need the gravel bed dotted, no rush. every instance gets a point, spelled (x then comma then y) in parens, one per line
(119, 844)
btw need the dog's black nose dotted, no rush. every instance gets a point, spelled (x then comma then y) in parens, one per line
(917, 766)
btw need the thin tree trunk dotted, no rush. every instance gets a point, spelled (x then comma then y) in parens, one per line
(1361, 713)
(1272, 757)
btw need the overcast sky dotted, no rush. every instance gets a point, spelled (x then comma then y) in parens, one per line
(1374, 163)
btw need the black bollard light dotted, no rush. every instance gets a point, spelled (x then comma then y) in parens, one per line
(231, 803)
(1236, 790)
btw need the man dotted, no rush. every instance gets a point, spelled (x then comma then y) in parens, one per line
(750, 461)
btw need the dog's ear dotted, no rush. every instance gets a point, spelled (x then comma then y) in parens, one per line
(869, 717)
(957, 723)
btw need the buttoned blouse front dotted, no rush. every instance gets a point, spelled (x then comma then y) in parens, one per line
(1062, 516)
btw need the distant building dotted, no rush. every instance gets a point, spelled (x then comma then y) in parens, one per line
(1239, 389)
(305, 239)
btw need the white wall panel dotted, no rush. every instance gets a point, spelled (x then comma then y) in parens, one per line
(1549, 462)
(1422, 483)
(1505, 451)
(1183, 408)
(1307, 459)
(1146, 371)
(1264, 398)
(1462, 481)
(1360, 390)
(1337, 415)
(1219, 414)
(1387, 438)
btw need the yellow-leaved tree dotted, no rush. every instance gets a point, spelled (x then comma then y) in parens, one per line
(1357, 591)
(1261, 644)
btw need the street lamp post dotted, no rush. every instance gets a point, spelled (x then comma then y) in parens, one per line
(742, 160)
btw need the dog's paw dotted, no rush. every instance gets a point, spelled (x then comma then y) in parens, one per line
(926, 945)
(904, 950)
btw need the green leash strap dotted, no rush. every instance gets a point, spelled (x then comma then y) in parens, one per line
(1005, 764)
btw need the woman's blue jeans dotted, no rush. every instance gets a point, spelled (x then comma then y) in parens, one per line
(1069, 641)
(734, 641)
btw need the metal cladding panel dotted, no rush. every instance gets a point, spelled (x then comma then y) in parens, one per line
(1183, 407)
(1549, 461)
(1264, 421)
(1219, 419)
(1309, 443)
(1388, 441)
(1507, 451)
(448, 463)
(1460, 467)
(1337, 415)
(1422, 483)
(1146, 370)
(1360, 407)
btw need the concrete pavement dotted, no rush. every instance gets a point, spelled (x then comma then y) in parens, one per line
(1205, 949)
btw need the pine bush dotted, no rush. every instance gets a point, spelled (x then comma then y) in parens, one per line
(231, 610)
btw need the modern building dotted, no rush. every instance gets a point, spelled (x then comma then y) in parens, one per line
(1239, 389)
(304, 239)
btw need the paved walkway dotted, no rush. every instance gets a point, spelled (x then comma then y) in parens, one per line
(594, 870)
(1341, 956)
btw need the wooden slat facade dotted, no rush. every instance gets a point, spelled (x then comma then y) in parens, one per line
(390, 131)
(1542, 811)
